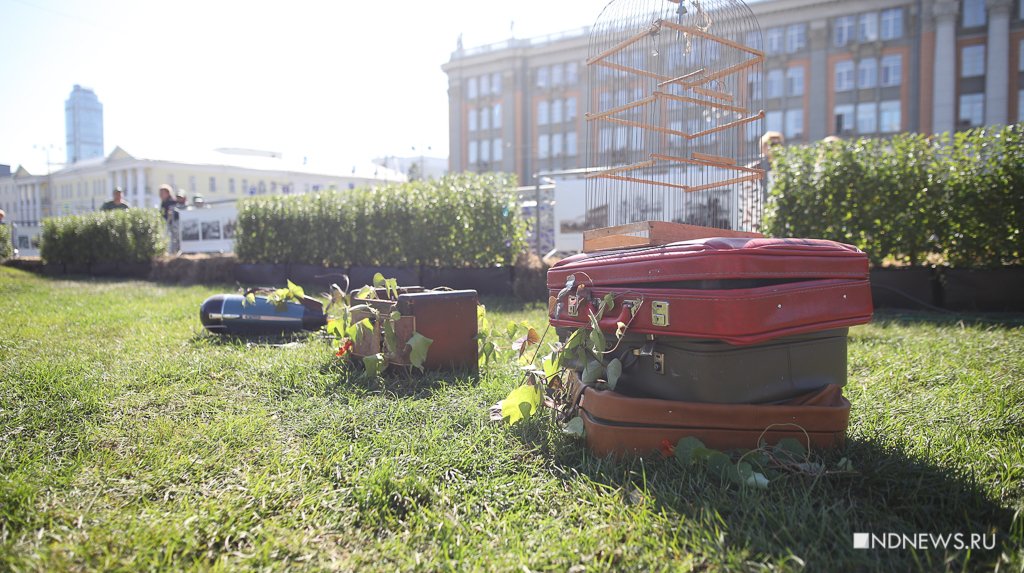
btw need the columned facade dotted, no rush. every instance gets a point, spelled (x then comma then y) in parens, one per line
(944, 74)
(997, 84)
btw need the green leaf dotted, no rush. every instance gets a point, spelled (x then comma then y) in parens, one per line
(609, 301)
(419, 344)
(366, 293)
(511, 330)
(592, 372)
(374, 364)
(395, 315)
(614, 370)
(250, 298)
(574, 339)
(355, 331)
(527, 395)
(550, 365)
(597, 342)
(574, 427)
(685, 449)
(792, 446)
(391, 286)
(295, 290)
(390, 339)
(378, 280)
(335, 328)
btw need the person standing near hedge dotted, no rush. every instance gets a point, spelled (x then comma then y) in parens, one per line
(117, 202)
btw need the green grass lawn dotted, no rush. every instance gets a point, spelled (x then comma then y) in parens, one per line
(130, 440)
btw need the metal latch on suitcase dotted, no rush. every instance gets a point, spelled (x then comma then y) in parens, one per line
(648, 350)
(659, 313)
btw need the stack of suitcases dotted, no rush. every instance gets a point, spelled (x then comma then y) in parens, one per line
(733, 340)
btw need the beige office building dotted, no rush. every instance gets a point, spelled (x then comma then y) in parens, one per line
(833, 67)
(218, 176)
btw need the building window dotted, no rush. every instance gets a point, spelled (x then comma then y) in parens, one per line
(774, 41)
(795, 80)
(867, 117)
(843, 115)
(754, 83)
(496, 154)
(496, 83)
(262, 188)
(773, 121)
(890, 119)
(485, 151)
(570, 109)
(844, 76)
(473, 158)
(556, 145)
(471, 88)
(485, 118)
(892, 24)
(972, 110)
(842, 30)
(556, 111)
(868, 28)
(972, 61)
(496, 116)
(892, 70)
(170, 180)
(213, 184)
(775, 83)
(794, 124)
(542, 77)
(572, 73)
(867, 73)
(472, 119)
(570, 143)
(1020, 104)
(231, 185)
(245, 186)
(543, 146)
(974, 13)
(192, 183)
(1020, 49)
(485, 85)
(796, 37)
(542, 112)
(557, 74)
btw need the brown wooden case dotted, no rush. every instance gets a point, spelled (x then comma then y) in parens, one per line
(449, 318)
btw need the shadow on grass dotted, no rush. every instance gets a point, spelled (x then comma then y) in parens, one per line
(812, 519)
(892, 317)
(204, 339)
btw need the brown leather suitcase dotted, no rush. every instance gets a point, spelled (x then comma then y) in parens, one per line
(616, 424)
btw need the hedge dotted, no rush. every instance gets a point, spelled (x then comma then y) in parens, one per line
(131, 235)
(458, 221)
(909, 199)
(5, 242)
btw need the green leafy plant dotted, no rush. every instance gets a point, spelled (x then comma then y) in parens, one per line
(462, 220)
(910, 199)
(5, 242)
(131, 235)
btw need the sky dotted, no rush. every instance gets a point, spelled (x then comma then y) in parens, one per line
(339, 80)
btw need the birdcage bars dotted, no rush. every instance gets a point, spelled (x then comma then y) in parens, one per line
(675, 114)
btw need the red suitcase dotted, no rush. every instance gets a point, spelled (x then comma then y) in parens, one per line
(741, 291)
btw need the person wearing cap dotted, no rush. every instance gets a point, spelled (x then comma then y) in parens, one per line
(181, 199)
(117, 202)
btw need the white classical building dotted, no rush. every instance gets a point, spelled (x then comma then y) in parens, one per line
(218, 176)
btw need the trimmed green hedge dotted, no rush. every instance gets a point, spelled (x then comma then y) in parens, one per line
(5, 242)
(959, 201)
(131, 235)
(457, 221)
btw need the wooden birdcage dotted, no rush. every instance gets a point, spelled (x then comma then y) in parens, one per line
(674, 122)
